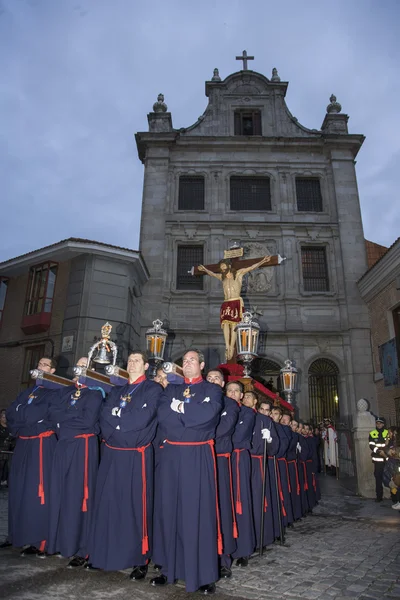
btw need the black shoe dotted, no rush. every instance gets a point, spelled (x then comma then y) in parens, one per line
(242, 562)
(76, 561)
(160, 580)
(225, 573)
(29, 551)
(6, 544)
(41, 554)
(138, 573)
(208, 589)
(89, 567)
(157, 567)
(378, 499)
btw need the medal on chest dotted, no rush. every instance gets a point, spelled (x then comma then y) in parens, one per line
(187, 394)
(75, 397)
(124, 400)
(32, 396)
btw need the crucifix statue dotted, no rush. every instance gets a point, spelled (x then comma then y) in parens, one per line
(245, 58)
(230, 271)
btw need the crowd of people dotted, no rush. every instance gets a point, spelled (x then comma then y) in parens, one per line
(192, 476)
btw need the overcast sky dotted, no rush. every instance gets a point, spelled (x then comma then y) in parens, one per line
(78, 77)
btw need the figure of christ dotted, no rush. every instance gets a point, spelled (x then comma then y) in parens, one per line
(232, 307)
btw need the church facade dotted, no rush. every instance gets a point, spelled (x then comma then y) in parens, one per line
(247, 171)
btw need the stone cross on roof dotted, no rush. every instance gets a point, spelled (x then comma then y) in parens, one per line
(244, 58)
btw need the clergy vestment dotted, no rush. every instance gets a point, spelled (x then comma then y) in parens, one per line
(294, 477)
(268, 504)
(121, 530)
(223, 448)
(241, 468)
(189, 539)
(74, 415)
(29, 481)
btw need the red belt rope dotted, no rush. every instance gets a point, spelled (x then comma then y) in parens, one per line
(210, 443)
(39, 437)
(297, 475)
(287, 474)
(260, 459)
(86, 437)
(141, 450)
(228, 456)
(238, 494)
(305, 486)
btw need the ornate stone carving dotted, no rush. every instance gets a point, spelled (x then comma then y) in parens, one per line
(160, 105)
(313, 233)
(216, 76)
(275, 77)
(261, 279)
(190, 232)
(333, 107)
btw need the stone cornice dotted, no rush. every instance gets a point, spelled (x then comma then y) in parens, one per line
(381, 274)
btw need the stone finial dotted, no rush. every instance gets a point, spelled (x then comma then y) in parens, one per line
(333, 107)
(216, 76)
(362, 405)
(160, 105)
(275, 76)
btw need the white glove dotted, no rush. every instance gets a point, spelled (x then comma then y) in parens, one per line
(392, 484)
(298, 447)
(266, 434)
(116, 411)
(177, 406)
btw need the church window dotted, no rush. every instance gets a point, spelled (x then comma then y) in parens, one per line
(247, 122)
(3, 294)
(315, 270)
(191, 193)
(188, 257)
(323, 390)
(250, 193)
(308, 192)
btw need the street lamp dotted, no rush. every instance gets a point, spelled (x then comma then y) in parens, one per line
(289, 375)
(156, 337)
(247, 334)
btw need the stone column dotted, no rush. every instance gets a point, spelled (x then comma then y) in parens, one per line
(364, 422)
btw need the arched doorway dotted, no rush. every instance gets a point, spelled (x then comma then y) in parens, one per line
(269, 372)
(323, 390)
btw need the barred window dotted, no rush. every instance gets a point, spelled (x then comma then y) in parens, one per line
(315, 271)
(191, 193)
(308, 192)
(188, 257)
(247, 122)
(250, 193)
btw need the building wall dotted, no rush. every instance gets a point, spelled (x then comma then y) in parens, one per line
(14, 342)
(298, 324)
(381, 307)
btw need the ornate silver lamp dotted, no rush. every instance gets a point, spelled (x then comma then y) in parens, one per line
(289, 375)
(247, 334)
(156, 338)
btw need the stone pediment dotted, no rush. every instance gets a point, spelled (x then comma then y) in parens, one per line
(247, 91)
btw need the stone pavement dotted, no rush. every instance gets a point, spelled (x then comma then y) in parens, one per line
(348, 549)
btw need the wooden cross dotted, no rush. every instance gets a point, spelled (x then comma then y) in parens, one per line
(234, 256)
(245, 58)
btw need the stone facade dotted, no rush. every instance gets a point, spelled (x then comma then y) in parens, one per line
(95, 283)
(380, 288)
(297, 323)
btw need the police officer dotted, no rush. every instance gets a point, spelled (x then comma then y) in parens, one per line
(377, 443)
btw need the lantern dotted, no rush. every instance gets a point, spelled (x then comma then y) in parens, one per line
(247, 334)
(155, 341)
(289, 380)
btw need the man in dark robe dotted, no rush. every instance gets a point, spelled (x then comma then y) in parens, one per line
(241, 469)
(292, 458)
(282, 468)
(311, 466)
(264, 433)
(74, 415)
(189, 540)
(29, 482)
(121, 529)
(302, 455)
(223, 449)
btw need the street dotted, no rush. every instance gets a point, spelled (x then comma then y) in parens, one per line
(348, 549)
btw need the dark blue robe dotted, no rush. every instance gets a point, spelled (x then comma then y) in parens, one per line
(29, 485)
(301, 463)
(241, 468)
(294, 478)
(121, 532)
(314, 443)
(223, 448)
(74, 472)
(283, 481)
(271, 517)
(186, 492)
